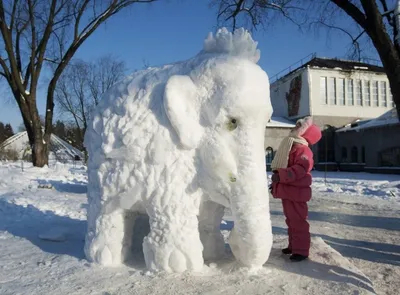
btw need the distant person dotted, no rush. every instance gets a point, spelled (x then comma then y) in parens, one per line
(291, 182)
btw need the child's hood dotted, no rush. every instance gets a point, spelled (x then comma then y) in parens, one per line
(312, 134)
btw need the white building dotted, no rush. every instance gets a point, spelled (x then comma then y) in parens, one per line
(335, 92)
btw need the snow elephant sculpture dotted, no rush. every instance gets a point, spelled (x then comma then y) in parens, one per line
(180, 143)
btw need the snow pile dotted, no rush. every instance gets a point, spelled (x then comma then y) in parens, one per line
(179, 143)
(379, 186)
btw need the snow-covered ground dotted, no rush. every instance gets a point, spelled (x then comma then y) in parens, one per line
(374, 187)
(355, 221)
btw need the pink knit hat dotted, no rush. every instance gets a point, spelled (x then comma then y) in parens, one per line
(308, 130)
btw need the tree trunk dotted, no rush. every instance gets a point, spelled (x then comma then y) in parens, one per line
(34, 129)
(386, 48)
(39, 148)
(391, 62)
(38, 144)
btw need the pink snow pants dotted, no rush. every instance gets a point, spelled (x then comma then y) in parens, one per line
(296, 214)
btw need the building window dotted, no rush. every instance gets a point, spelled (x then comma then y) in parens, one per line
(367, 94)
(350, 92)
(332, 91)
(354, 154)
(323, 90)
(390, 157)
(344, 154)
(383, 95)
(341, 89)
(357, 92)
(363, 154)
(269, 155)
(391, 102)
(375, 100)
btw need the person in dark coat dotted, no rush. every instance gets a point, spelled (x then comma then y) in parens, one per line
(291, 182)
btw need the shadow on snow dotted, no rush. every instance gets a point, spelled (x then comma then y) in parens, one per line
(311, 268)
(29, 222)
(388, 223)
(75, 187)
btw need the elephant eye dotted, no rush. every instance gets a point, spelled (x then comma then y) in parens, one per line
(232, 124)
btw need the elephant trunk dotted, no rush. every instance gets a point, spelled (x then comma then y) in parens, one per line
(251, 238)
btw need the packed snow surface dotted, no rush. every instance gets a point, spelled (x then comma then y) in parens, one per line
(355, 247)
(180, 143)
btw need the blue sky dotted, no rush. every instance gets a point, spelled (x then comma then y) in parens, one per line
(174, 30)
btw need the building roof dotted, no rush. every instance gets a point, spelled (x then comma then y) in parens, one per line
(327, 63)
(388, 118)
(346, 65)
(280, 122)
(61, 149)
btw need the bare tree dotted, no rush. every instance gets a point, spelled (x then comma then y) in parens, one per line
(104, 73)
(38, 32)
(81, 86)
(379, 20)
(258, 12)
(72, 94)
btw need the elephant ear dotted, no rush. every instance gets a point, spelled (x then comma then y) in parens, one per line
(182, 108)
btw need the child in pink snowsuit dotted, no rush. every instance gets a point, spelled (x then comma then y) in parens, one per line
(291, 182)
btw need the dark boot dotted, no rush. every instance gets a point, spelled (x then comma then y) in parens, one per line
(297, 257)
(286, 251)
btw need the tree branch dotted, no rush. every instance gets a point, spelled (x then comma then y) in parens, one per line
(15, 76)
(88, 30)
(41, 49)
(53, 61)
(256, 10)
(14, 9)
(354, 41)
(19, 33)
(222, 12)
(352, 11)
(78, 18)
(31, 66)
(65, 102)
(6, 74)
(386, 13)
(113, 8)
(60, 48)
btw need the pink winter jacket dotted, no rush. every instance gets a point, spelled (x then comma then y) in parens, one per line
(295, 181)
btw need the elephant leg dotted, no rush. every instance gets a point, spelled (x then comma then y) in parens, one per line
(173, 244)
(210, 218)
(104, 238)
